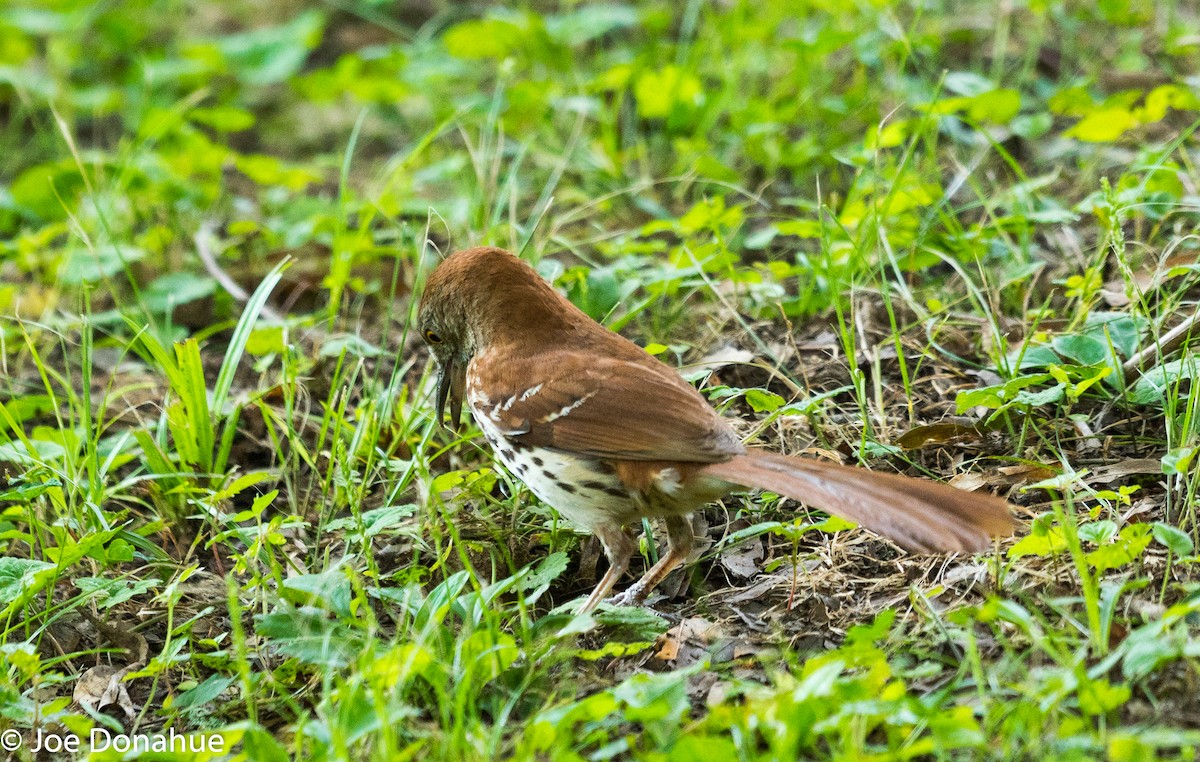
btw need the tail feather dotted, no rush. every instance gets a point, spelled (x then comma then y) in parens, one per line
(917, 514)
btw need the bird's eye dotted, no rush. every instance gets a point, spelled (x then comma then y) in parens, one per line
(433, 338)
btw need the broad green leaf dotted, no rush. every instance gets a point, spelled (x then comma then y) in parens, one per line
(1173, 539)
(329, 589)
(1083, 350)
(589, 21)
(173, 289)
(1128, 547)
(267, 340)
(1155, 383)
(310, 635)
(1052, 542)
(660, 92)
(104, 261)
(202, 694)
(1097, 697)
(614, 649)
(763, 401)
(997, 106)
(1098, 532)
(271, 54)
(1031, 356)
(480, 39)
(1179, 460)
(20, 575)
(1103, 125)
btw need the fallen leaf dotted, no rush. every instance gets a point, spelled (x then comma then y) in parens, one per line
(1129, 467)
(102, 686)
(937, 433)
(969, 481)
(721, 358)
(742, 560)
(689, 636)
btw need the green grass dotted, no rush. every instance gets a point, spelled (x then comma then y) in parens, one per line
(955, 240)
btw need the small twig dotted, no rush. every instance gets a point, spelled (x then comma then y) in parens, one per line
(1170, 341)
(202, 238)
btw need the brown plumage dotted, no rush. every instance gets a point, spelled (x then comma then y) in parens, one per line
(609, 435)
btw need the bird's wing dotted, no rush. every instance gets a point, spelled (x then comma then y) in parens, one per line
(623, 408)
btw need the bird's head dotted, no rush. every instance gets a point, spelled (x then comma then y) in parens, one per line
(476, 298)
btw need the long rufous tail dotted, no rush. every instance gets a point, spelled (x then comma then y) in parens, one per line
(917, 514)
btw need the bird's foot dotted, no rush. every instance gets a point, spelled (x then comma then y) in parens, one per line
(634, 596)
(621, 599)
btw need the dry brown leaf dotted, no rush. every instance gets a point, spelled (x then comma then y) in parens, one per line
(1022, 474)
(969, 481)
(742, 559)
(723, 357)
(686, 638)
(102, 686)
(1129, 467)
(937, 433)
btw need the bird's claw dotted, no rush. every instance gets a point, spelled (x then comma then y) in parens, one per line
(624, 599)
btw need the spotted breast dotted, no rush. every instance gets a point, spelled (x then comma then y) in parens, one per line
(585, 490)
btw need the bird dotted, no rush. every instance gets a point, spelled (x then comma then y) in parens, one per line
(609, 435)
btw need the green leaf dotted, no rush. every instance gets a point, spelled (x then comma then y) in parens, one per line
(104, 261)
(1083, 350)
(39, 188)
(308, 634)
(1097, 697)
(874, 632)
(654, 697)
(1129, 546)
(203, 693)
(1045, 397)
(376, 520)
(1032, 127)
(589, 22)
(489, 652)
(614, 648)
(1124, 331)
(481, 39)
(23, 493)
(330, 588)
(264, 341)
(763, 401)
(111, 592)
(272, 54)
(1154, 383)
(43, 452)
(640, 623)
(353, 345)
(173, 289)
(1031, 356)
(1179, 460)
(1173, 539)
(1103, 125)
(550, 569)
(1050, 543)
(998, 106)
(994, 397)
(241, 334)
(660, 92)
(1098, 532)
(20, 579)
(223, 118)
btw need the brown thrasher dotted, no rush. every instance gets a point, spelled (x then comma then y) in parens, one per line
(608, 435)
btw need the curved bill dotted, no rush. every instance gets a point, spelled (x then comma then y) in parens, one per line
(451, 381)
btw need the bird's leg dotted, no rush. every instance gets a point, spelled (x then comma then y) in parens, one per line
(618, 547)
(680, 538)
